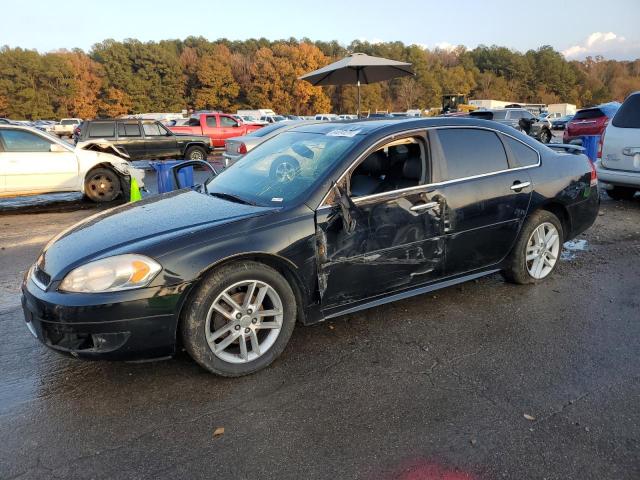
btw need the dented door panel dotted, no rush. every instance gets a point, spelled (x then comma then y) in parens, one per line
(391, 247)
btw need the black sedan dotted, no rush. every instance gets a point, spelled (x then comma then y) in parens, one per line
(561, 123)
(319, 221)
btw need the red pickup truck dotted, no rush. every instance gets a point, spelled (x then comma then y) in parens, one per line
(217, 126)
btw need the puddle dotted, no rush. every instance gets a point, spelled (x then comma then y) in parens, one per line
(572, 248)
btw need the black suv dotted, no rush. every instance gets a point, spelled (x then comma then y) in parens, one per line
(145, 139)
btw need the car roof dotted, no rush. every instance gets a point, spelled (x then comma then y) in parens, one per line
(389, 125)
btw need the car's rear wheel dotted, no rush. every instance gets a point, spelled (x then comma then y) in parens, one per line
(621, 193)
(102, 185)
(195, 153)
(240, 319)
(545, 136)
(537, 250)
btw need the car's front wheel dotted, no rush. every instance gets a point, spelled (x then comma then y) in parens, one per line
(537, 250)
(240, 319)
(102, 185)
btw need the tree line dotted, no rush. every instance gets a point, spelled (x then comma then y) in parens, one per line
(125, 77)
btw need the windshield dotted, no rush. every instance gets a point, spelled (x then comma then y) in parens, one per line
(282, 169)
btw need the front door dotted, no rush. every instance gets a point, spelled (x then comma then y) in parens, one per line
(32, 163)
(160, 143)
(394, 240)
(228, 128)
(484, 200)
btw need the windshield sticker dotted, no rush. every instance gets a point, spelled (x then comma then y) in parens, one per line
(343, 133)
(277, 199)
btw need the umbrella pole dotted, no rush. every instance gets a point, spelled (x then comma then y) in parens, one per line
(358, 74)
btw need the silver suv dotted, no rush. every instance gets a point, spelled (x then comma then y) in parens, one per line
(619, 166)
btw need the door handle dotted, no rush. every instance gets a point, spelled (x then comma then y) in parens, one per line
(520, 186)
(630, 151)
(424, 206)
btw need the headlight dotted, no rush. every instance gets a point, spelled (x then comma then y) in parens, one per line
(122, 272)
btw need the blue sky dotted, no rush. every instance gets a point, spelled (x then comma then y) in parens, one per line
(577, 28)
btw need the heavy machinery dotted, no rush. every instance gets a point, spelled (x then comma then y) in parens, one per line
(456, 103)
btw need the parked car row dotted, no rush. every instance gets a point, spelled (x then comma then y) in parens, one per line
(520, 119)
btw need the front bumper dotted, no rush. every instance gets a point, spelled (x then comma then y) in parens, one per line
(623, 178)
(130, 325)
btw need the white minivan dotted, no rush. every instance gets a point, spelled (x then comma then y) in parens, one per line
(619, 164)
(34, 162)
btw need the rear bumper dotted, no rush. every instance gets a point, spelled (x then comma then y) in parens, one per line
(621, 178)
(131, 325)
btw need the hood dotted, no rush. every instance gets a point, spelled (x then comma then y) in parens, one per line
(161, 218)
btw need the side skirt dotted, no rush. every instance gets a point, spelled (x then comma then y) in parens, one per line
(347, 309)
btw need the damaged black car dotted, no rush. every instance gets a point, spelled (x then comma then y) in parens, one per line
(317, 222)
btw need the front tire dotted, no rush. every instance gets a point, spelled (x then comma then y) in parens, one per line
(537, 250)
(102, 185)
(621, 193)
(240, 319)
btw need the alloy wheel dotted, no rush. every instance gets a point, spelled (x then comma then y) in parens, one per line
(196, 155)
(244, 321)
(543, 248)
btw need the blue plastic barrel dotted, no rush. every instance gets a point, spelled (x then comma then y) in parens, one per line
(164, 171)
(590, 144)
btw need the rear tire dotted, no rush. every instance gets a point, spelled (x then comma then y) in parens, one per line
(102, 185)
(521, 262)
(621, 193)
(195, 153)
(220, 337)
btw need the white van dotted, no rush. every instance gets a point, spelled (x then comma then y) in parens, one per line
(619, 164)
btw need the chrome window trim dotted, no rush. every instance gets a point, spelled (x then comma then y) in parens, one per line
(427, 185)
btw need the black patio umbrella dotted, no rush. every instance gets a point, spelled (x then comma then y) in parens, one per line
(358, 68)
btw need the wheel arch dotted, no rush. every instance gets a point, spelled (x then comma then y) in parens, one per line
(283, 266)
(560, 211)
(122, 176)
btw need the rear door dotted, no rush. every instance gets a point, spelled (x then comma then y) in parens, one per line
(130, 138)
(621, 146)
(484, 201)
(29, 166)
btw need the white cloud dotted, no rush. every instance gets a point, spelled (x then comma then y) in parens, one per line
(607, 44)
(446, 46)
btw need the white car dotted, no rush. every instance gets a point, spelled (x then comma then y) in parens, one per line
(619, 164)
(34, 162)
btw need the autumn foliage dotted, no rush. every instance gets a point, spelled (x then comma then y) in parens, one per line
(116, 78)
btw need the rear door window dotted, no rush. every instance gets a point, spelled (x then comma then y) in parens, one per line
(629, 114)
(102, 130)
(469, 152)
(129, 130)
(523, 155)
(211, 122)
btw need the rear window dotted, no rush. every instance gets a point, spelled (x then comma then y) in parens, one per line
(469, 152)
(68, 122)
(524, 156)
(261, 132)
(102, 130)
(588, 113)
(629, 114)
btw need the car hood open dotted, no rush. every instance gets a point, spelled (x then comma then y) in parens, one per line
(157, 219)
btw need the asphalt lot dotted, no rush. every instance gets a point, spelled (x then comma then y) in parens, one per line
(486, 380)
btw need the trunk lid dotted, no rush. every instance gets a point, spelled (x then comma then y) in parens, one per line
(621, 146)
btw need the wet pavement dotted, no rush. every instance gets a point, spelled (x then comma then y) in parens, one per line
(485, 380)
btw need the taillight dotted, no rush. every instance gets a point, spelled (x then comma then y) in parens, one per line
(242, 148)
(594, 175)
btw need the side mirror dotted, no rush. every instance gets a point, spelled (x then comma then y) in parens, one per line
(57, 148)
(346, 208)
